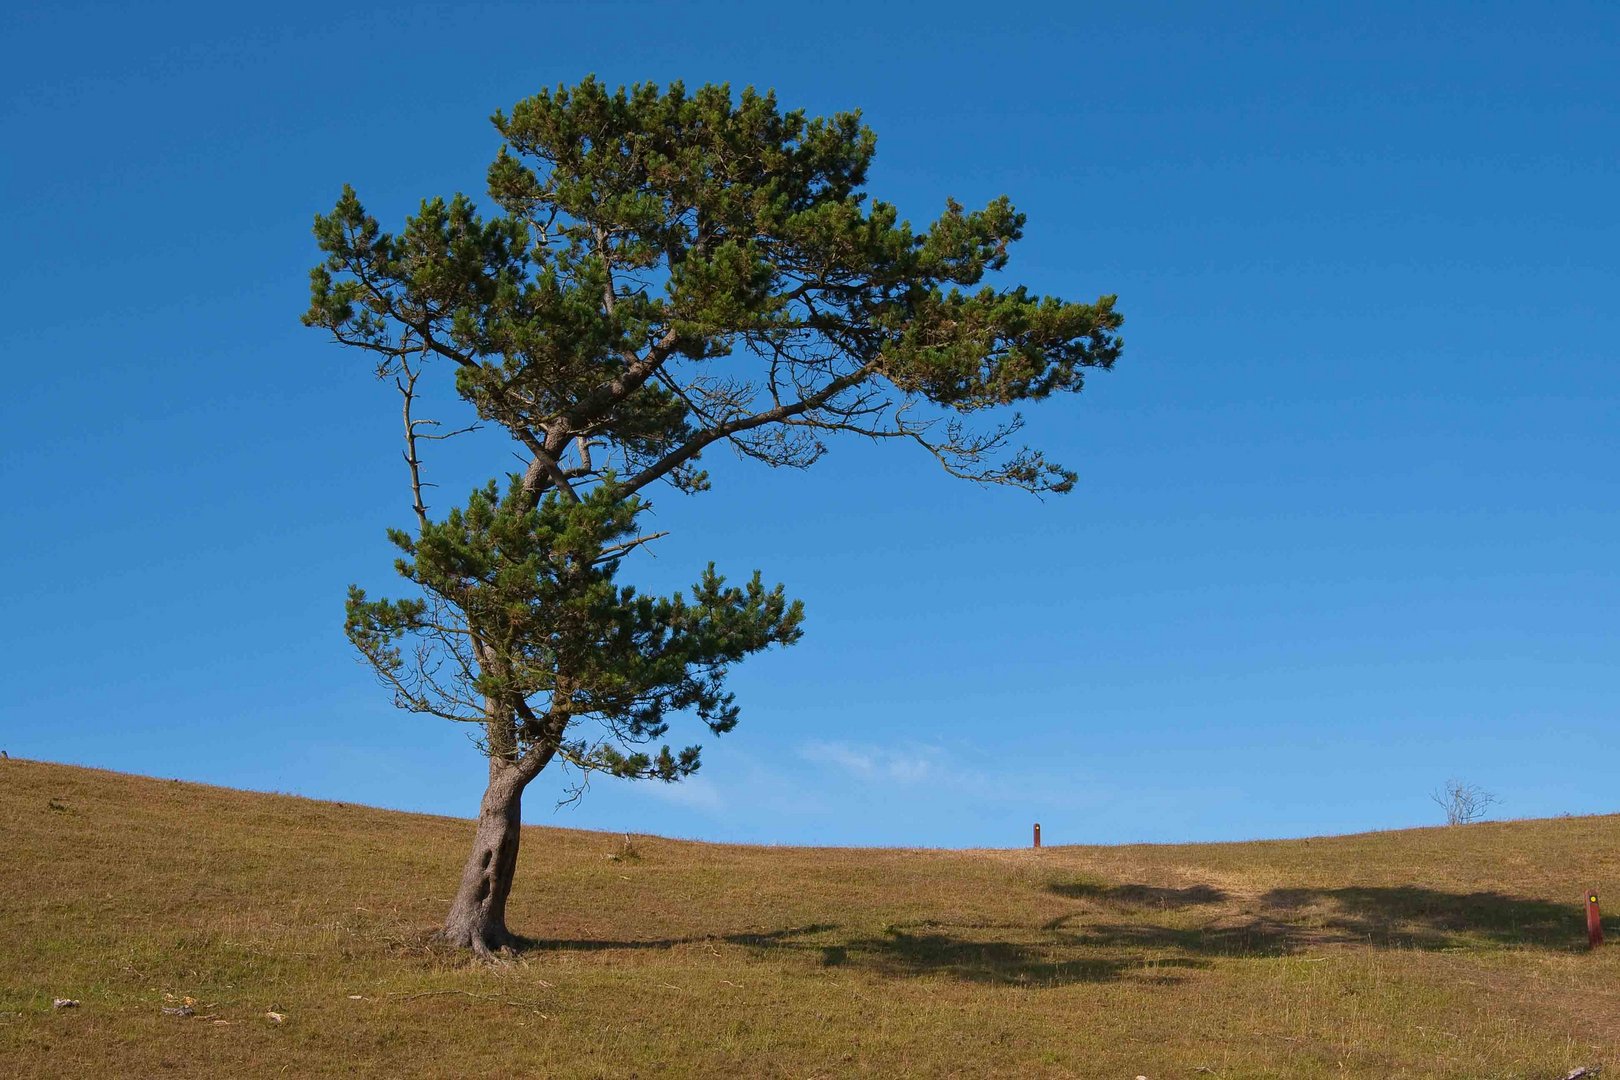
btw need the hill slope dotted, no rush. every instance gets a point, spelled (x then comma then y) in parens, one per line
(1427, 953)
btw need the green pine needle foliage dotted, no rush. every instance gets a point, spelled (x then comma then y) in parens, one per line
(662, 271)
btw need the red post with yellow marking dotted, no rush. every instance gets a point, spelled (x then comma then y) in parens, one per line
(1037, 834)
(1594, 921)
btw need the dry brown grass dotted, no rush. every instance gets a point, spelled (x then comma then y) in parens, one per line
(1428, 953)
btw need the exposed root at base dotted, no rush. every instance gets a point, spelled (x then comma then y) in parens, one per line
(496, 951)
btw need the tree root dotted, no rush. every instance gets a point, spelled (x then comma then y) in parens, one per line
(494, 949)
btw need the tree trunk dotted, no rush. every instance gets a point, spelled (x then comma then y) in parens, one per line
(477, 919)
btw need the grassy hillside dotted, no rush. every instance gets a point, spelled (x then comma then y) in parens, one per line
(1429, 953)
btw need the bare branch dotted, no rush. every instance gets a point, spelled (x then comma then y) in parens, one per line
(407, 390)
(617, 550)
(695, 446)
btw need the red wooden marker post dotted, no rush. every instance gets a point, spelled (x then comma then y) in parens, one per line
(1037, 834)
(1594, 921)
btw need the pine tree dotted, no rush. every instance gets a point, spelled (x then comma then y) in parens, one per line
(666, 271)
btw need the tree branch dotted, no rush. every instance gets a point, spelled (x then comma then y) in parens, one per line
(696, 445)
(407, 390)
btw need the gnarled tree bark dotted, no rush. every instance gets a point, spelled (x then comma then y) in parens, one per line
(477, 918)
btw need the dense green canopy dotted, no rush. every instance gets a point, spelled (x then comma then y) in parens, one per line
(663, 271)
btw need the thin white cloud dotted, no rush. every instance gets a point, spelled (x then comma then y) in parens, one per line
(841, 755)
(695, 793)
(910, 764)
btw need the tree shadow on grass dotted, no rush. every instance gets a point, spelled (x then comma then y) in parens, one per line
(1246, 937)
(1155, 896)
(1409, 916)
(761, 938)
(1099, 943)
(1286, 920)
(900, 952)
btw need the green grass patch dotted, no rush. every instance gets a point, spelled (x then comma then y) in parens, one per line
(1447, 952)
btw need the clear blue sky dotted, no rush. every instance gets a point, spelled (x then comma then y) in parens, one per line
(1346, 523)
